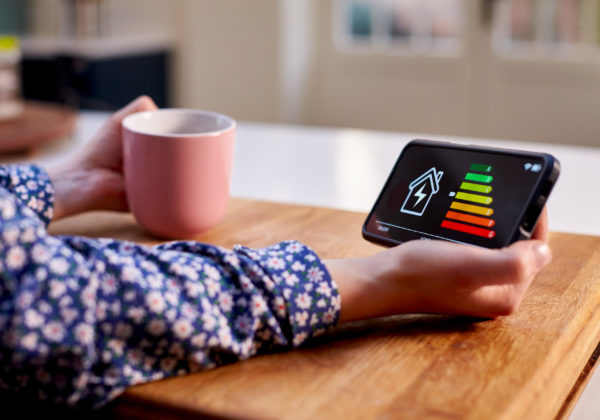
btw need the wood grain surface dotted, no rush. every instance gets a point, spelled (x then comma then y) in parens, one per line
(40, 123)
(523, 366)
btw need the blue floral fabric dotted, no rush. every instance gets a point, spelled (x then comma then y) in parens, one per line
(82, 319)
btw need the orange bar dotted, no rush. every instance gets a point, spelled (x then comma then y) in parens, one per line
(476, 220)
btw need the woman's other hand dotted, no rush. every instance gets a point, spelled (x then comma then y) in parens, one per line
(93, 179)
(440, 277)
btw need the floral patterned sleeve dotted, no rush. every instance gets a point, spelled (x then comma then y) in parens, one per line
(82, 319)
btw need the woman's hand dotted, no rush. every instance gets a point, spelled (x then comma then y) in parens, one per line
(440, 277)
(93, 180)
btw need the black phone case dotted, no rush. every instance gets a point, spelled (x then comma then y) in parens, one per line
(530, 213)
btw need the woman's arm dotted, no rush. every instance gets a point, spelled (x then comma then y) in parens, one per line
(134, 301)
(440, 277)
(81, 319)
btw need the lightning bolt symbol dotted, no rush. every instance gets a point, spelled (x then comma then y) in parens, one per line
(420, 194)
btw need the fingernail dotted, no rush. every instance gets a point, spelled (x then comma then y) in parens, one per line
(543, 254)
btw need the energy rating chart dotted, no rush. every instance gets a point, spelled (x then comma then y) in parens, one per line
(470, 212)
(464, 194)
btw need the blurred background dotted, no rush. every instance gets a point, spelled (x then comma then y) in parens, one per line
(513, 69)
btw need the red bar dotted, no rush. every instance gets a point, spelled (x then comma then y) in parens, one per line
(476, 220)
(486, 233)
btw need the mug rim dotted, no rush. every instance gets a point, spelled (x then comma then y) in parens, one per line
(129, 120)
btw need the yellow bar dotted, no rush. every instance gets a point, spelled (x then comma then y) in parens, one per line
(486, 189)
(485, 211)
(476, 198)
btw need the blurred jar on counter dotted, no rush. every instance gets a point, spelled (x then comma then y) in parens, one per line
(11, 103)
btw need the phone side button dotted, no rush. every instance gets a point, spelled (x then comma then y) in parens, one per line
(546, 188)
(540, 202)
(532, 215)
(525, 234)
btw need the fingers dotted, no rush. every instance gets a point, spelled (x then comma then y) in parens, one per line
(523, 260)
(527, 258)
(104, 150)
(541, 229)
(142, 103)
(452, 278)
(515, 265)
(472, 264)
(499, 278)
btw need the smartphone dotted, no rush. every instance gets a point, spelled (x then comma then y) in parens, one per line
(472, 195)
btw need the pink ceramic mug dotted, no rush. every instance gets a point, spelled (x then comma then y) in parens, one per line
(177, 165)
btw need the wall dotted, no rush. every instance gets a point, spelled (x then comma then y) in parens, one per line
(228, 57)
(275, 61)
(478, 93)
(387, 91)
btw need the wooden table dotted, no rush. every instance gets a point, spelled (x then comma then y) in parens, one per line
(532, 364)
(40, 123)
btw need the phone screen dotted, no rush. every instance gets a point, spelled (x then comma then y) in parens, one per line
(459, 194)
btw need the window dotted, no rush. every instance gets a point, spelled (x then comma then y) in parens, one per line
(428, 27)
(513, 69)
(549, 28)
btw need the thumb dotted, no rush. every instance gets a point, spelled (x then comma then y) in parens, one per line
(142, 103)
(104, 151)
(533, 255)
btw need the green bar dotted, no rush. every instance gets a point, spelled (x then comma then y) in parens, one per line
(480, 168)
(478, 178)
(476, 198)
(486, 189)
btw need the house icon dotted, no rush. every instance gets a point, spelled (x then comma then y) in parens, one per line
(420, 192)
